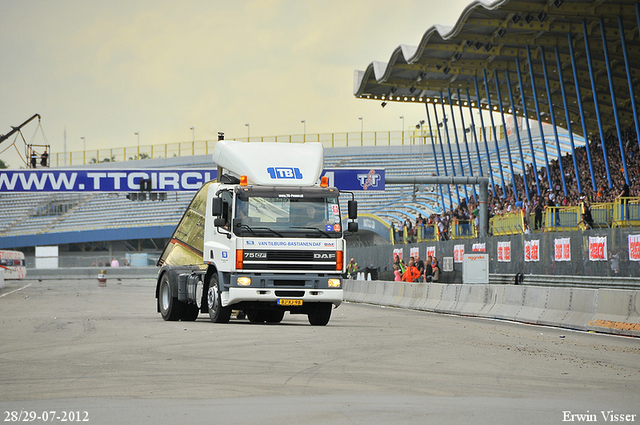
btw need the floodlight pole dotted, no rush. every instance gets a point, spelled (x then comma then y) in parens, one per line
(451, 180)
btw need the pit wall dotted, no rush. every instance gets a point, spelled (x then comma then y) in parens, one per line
(613, 311)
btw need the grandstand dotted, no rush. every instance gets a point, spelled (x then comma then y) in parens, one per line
(30, 219)
(473, 65)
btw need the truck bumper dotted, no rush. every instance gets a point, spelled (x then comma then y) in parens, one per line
(307, 295)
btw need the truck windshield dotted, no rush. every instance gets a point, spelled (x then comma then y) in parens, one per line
(287, 217)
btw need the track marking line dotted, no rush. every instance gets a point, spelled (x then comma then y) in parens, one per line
(15, 290)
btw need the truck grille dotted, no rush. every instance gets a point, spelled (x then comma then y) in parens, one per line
(319, 261)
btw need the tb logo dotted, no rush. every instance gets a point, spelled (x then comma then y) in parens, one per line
(284, 173)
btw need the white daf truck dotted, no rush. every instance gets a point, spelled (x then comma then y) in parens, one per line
(263, 239)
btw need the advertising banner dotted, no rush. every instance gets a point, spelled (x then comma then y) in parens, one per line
(532, 250)
(634, 247)
(504, 251)
(355, 178)
(597, 248)
(562, 249)
(397, 252)
(479, 247)
(458, 253)
(162, 180)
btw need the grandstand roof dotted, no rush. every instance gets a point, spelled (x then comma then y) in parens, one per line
(495, 36)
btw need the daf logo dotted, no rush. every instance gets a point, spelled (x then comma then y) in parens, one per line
(255, 255)
(324, 255)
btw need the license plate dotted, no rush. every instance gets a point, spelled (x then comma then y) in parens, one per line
(289, 302)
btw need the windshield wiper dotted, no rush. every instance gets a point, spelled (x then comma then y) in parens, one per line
(327, 234)
(254, 229)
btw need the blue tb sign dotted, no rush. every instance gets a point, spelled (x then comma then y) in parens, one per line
(284, 173)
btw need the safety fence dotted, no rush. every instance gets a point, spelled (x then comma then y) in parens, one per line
(623, 212)
(425, 232)
(607, 252)
(600, 310)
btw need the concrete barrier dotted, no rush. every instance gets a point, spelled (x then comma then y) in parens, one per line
(534, 304)
(602, 310)
(475, 300)
(582, 307)
(68, 273)
(509, 302)
(448, 299)
(617, 312)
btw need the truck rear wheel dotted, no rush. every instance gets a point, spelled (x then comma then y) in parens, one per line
(275, 316)
(217, 313)
(320, 315)
(191, 313)
(257, 316)
(170, 308)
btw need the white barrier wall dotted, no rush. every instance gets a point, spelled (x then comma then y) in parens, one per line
(613, 311)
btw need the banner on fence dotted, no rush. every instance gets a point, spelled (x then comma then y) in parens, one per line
(532, 250)
(562, 249)
(397, 252)
(414, 252)
(458, 253)
(634, 247)
(479, 247)
(431, 251)
(504, 251)
(597, 248)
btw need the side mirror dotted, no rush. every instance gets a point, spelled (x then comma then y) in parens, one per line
(216, 207)
(352, 226)
(352, 206)
(219, 222)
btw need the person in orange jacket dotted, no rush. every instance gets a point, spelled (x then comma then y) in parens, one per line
(412, 273)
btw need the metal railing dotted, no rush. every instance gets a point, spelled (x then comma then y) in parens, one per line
(623, 212)
(205, 147)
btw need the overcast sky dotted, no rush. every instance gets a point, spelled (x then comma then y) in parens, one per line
(108, 69)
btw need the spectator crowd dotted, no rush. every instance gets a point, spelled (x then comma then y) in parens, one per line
(504, 200)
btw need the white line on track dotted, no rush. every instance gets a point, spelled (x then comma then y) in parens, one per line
(15, 290)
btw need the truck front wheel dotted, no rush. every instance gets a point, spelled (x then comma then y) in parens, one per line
(170, 308)
(217, 313)
(320, 315)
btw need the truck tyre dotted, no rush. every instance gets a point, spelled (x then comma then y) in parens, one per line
(191, 313)
(257, 316)
(217, 313)
(320, 315)
(275, 316)
(170, 308)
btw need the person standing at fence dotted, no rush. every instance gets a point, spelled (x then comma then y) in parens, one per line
(537, 211)
(397, 277)
(412, 273)
(624, 199)
(34, 159)
(436, 270)
(428, 270)
(352, 268)
(44, 159)
(420, 266)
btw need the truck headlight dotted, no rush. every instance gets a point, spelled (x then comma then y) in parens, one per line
(244, 281)
(334, 283)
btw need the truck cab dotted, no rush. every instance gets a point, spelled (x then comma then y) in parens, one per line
(272, 239)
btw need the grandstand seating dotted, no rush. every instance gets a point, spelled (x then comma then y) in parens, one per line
(22, 213)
